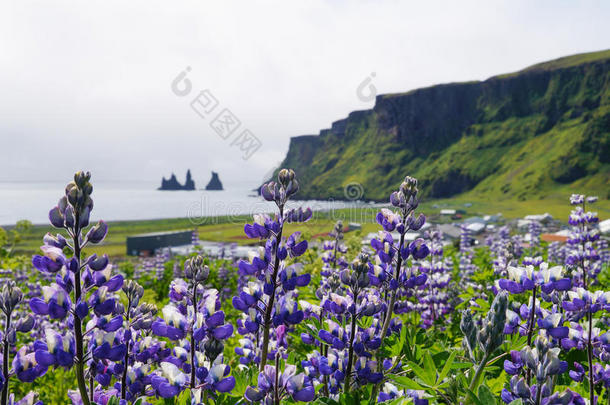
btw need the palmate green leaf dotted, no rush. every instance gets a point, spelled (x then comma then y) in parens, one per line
(472, 397)
(429, 366)
(426, 377)
(460, 365)
(396, 349)
(496, 384)
(225, 399)
(517, 402)
(243, 378)
(447, 366)
(325, 401)
(485, 396)
(406, 382)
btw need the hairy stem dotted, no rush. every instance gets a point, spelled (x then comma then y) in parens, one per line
(325, 378)
(590, 358)
(390, 310)
(350, 355)
(478, 372)
(91, 384)
(126, 360)
(193, 335)
(276, 388)
(530, 330)
(5, 359)
(78, 329)
(269, 308)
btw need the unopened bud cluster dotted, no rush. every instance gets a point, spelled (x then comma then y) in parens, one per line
(196, 270)
(133, 291)
(490, 335)
(406, 196)
(286, 186)
(10, 297)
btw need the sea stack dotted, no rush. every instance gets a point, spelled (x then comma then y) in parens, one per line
(214, 183)
(174, 184)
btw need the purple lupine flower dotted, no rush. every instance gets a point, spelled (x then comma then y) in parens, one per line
(174, 326)
(55, 303)
(218, 378)
(297, 386)
(52, 261)
(106, 345)
(388, 219)
(56, 350)
(169, 382)
(26, 367)
(580, 299)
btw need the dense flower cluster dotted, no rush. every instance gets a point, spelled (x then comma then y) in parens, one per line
(341, 327)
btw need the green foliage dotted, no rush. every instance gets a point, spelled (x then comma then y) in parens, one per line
(533, 134)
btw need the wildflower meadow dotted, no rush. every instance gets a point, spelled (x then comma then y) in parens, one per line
(328, 321)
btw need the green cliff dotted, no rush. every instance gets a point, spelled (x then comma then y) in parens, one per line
(541, 131)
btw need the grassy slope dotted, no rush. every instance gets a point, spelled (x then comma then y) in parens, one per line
(540, 139)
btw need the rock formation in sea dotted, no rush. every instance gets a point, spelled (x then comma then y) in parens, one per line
(214, 183)
(173, 184)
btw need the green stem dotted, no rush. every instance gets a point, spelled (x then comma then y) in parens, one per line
(193, 348)
(5, 359)
(530, 330)
(590, 359)
(390, 310)
(350, 355)
(478, 373)
(78, 329)
(126, 360)
(269, 308)
(276, 388)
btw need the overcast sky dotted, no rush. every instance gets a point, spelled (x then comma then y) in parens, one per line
(88, 84)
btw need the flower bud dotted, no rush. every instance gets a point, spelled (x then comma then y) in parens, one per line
(408, 188)
(56, 217)
(26, 324)
(57, 241)
(134, 292)
(10, 297)
(81, 178)
(69, 217)
(97, 233)
(469, 330)
(213, 347)
(285, 176)
(195, 269)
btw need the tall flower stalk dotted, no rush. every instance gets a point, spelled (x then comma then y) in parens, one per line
(10, 297)
(72, 214)
(583, 238)
(279, 193)
(407, 201)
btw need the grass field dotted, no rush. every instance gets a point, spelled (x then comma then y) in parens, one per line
(230, 229)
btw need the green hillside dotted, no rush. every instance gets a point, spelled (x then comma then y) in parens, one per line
(543, 132)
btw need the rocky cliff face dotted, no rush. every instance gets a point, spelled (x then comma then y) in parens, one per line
(515, 135)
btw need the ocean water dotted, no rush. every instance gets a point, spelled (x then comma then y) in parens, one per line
(142, 200)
